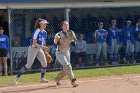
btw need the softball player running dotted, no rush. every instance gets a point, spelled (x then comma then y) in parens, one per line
(63, 54)
(128, 41)
(100, 38)
(38, 44)
(113, 42)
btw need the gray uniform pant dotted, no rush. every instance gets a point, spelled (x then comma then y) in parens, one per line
(137, 49)
(35, 52)
(137, 46)
(64, 60)
(101, 47)
(113, 50)
(129, 53)
(129, 47)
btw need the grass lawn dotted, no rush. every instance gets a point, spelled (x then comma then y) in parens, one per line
(81, 73)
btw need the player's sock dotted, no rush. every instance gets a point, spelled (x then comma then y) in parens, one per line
(43, 71)
(23, 69)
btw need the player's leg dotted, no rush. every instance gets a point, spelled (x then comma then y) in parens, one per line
(127, 52)
(32, 52)
(116, 49)
(41, 57)
(111, 52)
(69, 72)
(4, 59)
(136, 49)
(59, 76)
(104, 50)
(98, 51)
(64, 60)
(0, 66)
(132, 52)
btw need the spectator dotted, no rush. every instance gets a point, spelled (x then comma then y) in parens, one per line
(100, 38)
(80, 49)
(4, 48)
(128, 42)
(137, 37)
(113, 42)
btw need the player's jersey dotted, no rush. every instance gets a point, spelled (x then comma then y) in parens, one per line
(137, 33)
(4, 42)
(100, 35)
(40, 36)
(64, 43)
(113, 33)
(127, 34)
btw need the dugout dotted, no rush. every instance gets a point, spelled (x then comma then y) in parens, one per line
(83, 17)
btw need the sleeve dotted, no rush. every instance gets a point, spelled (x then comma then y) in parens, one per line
(7, 43)
(35, 34)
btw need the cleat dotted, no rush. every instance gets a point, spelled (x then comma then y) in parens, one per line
(16, 80)
(73, 82)
(43, 80)
(57, 82)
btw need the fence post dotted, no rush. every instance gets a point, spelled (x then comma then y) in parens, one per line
(9, 26)
(66, 14)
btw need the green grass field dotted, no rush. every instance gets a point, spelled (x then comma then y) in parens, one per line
(82, 73)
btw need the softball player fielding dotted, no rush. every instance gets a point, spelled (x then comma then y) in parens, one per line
(38, 44)
(63, 54)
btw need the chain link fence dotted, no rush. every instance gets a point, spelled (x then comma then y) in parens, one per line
(82, 20)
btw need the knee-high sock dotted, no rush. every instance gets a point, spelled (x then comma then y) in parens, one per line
(43, 71)
(23, 70)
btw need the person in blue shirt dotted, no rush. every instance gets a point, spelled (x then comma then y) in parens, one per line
(113, 43)
(128, 41)
(137, 42)
(100, 39)
(4, 49)
(37, 49)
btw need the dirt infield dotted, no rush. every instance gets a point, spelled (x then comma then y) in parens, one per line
(109, 84)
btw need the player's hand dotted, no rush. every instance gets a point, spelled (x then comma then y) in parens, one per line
(45, 48)
(57, 38)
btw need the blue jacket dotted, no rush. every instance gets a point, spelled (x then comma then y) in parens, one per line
(4, 42)
(128, 34)
(113, 33)
(137, 33)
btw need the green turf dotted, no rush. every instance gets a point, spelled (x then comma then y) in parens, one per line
(82, 73)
